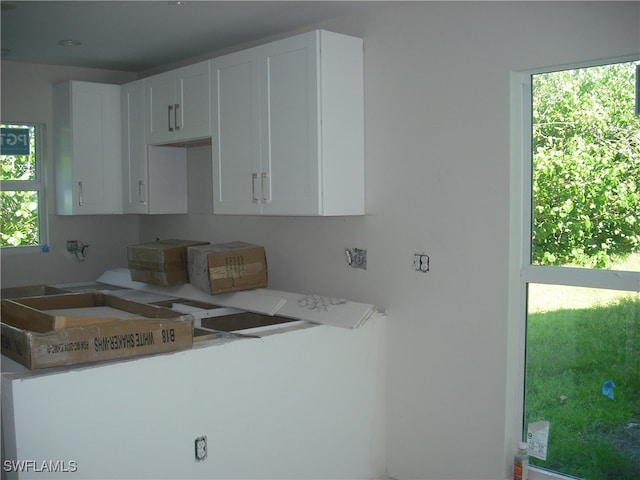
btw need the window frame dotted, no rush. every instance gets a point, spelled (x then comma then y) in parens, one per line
(521, 271)
(38, 185)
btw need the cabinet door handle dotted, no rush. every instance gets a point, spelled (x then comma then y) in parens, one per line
(80, 199)
(176, 116)
(264, 177)
(141, 192)
(254, 178)
(170, 109)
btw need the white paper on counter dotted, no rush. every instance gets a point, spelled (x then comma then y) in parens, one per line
(337, 312)
(311, 308)
(246, 300)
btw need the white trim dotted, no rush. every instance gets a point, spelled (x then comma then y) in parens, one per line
(517, 294)
(582, 277)
(586, 64)
(22, 250)
(539, 474)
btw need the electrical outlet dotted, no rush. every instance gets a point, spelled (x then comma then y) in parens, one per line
(201, 448)
(421, 262)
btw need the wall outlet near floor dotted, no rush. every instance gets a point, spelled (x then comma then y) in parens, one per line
(201, 448)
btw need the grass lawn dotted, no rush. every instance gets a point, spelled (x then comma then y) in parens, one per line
(577, 339)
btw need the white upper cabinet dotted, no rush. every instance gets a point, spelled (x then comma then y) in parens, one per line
(154, 177)
(177, 105)
(134, 149)
(235, 142)
(87, 148)
(288, 127)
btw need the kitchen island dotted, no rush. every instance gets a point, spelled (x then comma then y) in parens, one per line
(303, 401)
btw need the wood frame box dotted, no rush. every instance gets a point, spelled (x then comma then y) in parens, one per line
(57, 330)
(30, 291)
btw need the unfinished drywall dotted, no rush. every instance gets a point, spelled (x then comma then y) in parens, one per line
(437, 181)
(27, 97)
(437, 170)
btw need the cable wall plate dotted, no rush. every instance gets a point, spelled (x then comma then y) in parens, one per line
(356, 258)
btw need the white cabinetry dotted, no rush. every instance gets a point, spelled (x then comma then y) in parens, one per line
(235, 125)
(177, 104)
(87, 148)
(288, 127)
(134, 150)
(154, 178)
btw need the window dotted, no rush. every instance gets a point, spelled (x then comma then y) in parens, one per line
(576, 259)
(22, 197)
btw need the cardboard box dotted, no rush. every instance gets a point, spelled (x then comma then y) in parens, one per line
(56, 330)
(227, 267)
(160, 263)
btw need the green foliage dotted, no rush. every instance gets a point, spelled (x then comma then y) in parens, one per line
(19, 215)
(18, 167)
(586, 166)
(19, 207)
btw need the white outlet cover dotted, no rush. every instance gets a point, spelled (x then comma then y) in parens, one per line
(421, 262)
(201, 448)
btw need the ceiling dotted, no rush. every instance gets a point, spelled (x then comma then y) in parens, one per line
(141, 35)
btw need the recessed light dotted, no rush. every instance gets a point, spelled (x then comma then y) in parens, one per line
(69, 43)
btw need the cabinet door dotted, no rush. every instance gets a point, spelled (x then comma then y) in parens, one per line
(160, 100)
(87, 148)
(134, 149)
(192, 108)
(290, 119)
(235, 140)
(97, 147)
(287, 121)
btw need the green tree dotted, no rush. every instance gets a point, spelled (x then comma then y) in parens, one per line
(19, 210)
(19, 207)
(586, 166)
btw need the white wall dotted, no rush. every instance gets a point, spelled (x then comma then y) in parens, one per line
(27, 97)
(437, 160)
(437, 170)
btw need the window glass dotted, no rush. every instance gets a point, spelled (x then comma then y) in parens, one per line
(582, 353)
(22, 189)
(20, 218)
(583, 380)
(586, 165)
(18, 150)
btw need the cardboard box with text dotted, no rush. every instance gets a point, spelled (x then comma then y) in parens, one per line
(227, 267)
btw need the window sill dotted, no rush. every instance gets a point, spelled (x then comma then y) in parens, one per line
(539, 474)
(33, 249)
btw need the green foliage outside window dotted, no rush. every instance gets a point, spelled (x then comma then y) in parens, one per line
(19, 205)
(586, 166)
(19, 167)
(19, 211)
